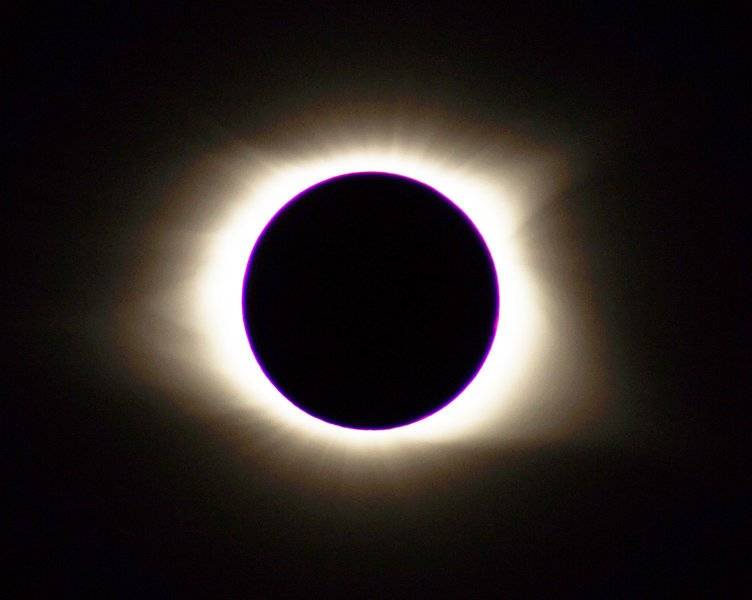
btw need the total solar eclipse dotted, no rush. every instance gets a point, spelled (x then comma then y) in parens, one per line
(370, 300)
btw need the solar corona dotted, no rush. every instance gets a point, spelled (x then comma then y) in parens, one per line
(359, 295)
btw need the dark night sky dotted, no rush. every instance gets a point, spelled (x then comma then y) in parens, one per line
(114, 489)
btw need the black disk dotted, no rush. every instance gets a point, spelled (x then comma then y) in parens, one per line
(370, 301)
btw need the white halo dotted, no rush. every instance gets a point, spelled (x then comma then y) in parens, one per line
(217, 291)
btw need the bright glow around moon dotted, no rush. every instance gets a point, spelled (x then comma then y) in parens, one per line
(216, 293)
(181, 320)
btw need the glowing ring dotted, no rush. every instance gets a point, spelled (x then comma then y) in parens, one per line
(218, 294)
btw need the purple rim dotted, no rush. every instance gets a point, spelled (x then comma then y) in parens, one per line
(469, 222)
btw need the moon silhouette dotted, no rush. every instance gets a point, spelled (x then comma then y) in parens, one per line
(370, 301)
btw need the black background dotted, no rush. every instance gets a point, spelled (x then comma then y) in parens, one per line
(114, 491)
